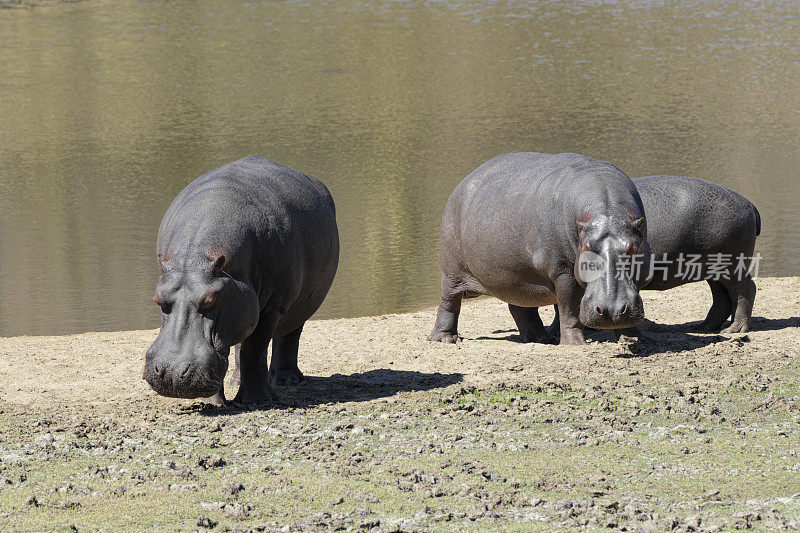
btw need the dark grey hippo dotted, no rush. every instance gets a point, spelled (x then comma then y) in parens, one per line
(515, 227)
(694, 222)
(247, 253)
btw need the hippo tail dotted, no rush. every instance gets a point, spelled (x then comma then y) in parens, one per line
(758, 220)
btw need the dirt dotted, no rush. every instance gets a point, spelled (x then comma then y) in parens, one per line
(677, 431)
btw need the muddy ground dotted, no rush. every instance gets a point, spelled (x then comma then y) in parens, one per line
(679, 431)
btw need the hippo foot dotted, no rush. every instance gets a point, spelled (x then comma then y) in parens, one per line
(255, 394)
(218, 400)
(707, 327)
(542, 337)
(572, 337)
(737, 328)
(444, 336)
(287, 376)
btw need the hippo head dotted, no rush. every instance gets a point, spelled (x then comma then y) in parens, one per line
(204, 311)
(613, 263)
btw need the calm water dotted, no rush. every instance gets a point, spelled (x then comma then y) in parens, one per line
(108, 109)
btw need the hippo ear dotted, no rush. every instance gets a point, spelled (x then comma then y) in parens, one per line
(219, 264)
(638, 223)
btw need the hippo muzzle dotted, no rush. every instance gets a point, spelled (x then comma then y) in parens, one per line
(196, 374)
(601, 310)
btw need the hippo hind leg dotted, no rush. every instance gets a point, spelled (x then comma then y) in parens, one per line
(446, 327)
(721, 308)
(283, 368)
(529, 324)
(743, 295)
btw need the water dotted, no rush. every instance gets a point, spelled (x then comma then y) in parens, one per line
(109, 108)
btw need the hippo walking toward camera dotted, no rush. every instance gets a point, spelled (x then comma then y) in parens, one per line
(698, 231)
(515, 228)
(247, 253)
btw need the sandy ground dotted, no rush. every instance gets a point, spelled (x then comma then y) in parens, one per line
(678, 431)
(391, 350)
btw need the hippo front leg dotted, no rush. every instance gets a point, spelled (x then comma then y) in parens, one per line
(255, 387)
(284, 370)
(568, 297)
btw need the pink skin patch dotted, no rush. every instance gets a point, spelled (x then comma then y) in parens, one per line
(208, 300)
(582, 221)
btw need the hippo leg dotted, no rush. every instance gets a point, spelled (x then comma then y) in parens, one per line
(446, 327)
(255, 388)
(529, 324)
(283, 370)
(218, 399)
(236, 377)
(744, 295)
(568, 296)
(720, 310)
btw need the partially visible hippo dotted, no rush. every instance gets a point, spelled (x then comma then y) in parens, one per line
(692, 221)
(515, 227)
(247, 253)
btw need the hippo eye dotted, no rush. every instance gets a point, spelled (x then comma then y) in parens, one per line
(633, 249)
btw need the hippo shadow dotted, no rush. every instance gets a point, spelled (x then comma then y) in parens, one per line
(357, 387)
(757, 323)
(363, 386)
(655, 338)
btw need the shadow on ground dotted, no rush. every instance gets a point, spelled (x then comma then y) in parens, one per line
(655, 338)
(358, 387)
(756, 324)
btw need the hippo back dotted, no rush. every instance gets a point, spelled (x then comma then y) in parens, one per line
(692, 216)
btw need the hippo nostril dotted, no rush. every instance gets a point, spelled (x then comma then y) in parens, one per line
(599, 311)
(624, 309)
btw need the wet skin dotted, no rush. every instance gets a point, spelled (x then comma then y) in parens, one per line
(514, 229)
(247, 253)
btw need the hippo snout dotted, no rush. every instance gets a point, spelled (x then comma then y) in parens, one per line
(198, 375)
(619, 313)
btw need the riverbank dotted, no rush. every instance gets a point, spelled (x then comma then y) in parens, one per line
(393, 432)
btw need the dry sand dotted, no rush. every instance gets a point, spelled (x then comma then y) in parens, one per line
(98, 368)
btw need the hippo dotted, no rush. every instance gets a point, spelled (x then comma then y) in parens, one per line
(247, 253)
(690, 218)
(515, 229)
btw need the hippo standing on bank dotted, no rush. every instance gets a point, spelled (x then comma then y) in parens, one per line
(698, 231)
(690, 218)
(515, 229)
(247, 253)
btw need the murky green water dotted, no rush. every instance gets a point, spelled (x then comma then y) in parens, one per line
(108, 109)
